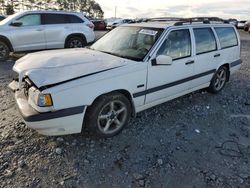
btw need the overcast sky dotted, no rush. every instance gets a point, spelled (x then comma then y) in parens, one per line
(239, 9)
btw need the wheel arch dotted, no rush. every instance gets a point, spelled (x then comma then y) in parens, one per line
(124, 92)
(75, 35)
(7, 41)
(228, 68)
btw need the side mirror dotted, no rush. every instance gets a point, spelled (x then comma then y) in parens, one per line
(16, 24)
(162, 60)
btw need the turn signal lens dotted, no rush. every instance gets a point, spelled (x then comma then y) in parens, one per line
(44, 100)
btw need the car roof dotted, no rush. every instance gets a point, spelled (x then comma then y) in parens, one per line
(165, 25)
(52, 12)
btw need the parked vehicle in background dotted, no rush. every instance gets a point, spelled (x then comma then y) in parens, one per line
(233, 21)
(99, 24)
(247, 25)
(130, 69)
(119, 23)
(241, 24)
(39, 30)
(2, 17)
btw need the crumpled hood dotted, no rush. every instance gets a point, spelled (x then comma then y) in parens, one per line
(55, 66)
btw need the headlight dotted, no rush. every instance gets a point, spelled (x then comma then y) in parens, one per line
(44, 100)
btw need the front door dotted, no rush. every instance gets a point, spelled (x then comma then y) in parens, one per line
(169, 80)
(30, 35)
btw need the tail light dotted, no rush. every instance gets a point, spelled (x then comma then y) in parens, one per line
(91, 25)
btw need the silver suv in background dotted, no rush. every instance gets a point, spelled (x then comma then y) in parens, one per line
(39, 30)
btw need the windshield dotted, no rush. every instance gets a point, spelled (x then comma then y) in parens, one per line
(6, 20)
(128, 42)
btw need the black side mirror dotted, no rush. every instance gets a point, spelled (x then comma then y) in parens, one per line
(16, 24)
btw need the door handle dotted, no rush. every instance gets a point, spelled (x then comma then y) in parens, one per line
(217, 55)
(190, 62)
(39, 29)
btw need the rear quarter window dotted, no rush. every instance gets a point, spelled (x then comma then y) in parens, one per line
(227, 36)
(74, 19)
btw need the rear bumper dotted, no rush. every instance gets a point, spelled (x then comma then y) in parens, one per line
(90, 37)
(61, 122)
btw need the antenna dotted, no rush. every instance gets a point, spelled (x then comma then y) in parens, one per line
(115, 11)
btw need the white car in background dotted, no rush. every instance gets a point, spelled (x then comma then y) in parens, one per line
(117, 23)
(39, 30)
(241, 24)
(132, 68)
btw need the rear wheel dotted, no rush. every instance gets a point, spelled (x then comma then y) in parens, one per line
(219, 80)
(75, 42)
(108, 115)
(4, 51)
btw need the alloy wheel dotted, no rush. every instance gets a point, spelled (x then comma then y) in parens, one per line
(76, 44)
(220, 79)
(112, 117)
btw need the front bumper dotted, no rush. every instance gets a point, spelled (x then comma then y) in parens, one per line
(61, 122)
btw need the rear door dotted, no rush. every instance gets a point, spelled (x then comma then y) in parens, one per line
(207, 55)
(30, 35)
(57, 27)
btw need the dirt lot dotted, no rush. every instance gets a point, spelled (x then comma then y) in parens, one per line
(199, 140)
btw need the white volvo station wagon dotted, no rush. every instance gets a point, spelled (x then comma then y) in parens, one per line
(130, 69)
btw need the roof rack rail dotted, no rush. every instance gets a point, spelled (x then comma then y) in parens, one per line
(164, 19)
(204, 20)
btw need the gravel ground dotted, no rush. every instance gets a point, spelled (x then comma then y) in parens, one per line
(199, 140)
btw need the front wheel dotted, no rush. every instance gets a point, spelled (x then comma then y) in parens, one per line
(219, 80)
(108, 115)
(4, 51)
(75, 42)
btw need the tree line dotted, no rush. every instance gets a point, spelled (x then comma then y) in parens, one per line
(90, 7)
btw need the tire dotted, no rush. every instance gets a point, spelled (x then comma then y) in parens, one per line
(245, 28)
(219, 80)
(108, 115)
(75, 42)
(4, 51)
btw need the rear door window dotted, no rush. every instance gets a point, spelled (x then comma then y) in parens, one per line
(227, 37)
(205, 40)
(54, 19)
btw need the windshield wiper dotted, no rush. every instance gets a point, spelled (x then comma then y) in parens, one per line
(123, 56)
(131, 58)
